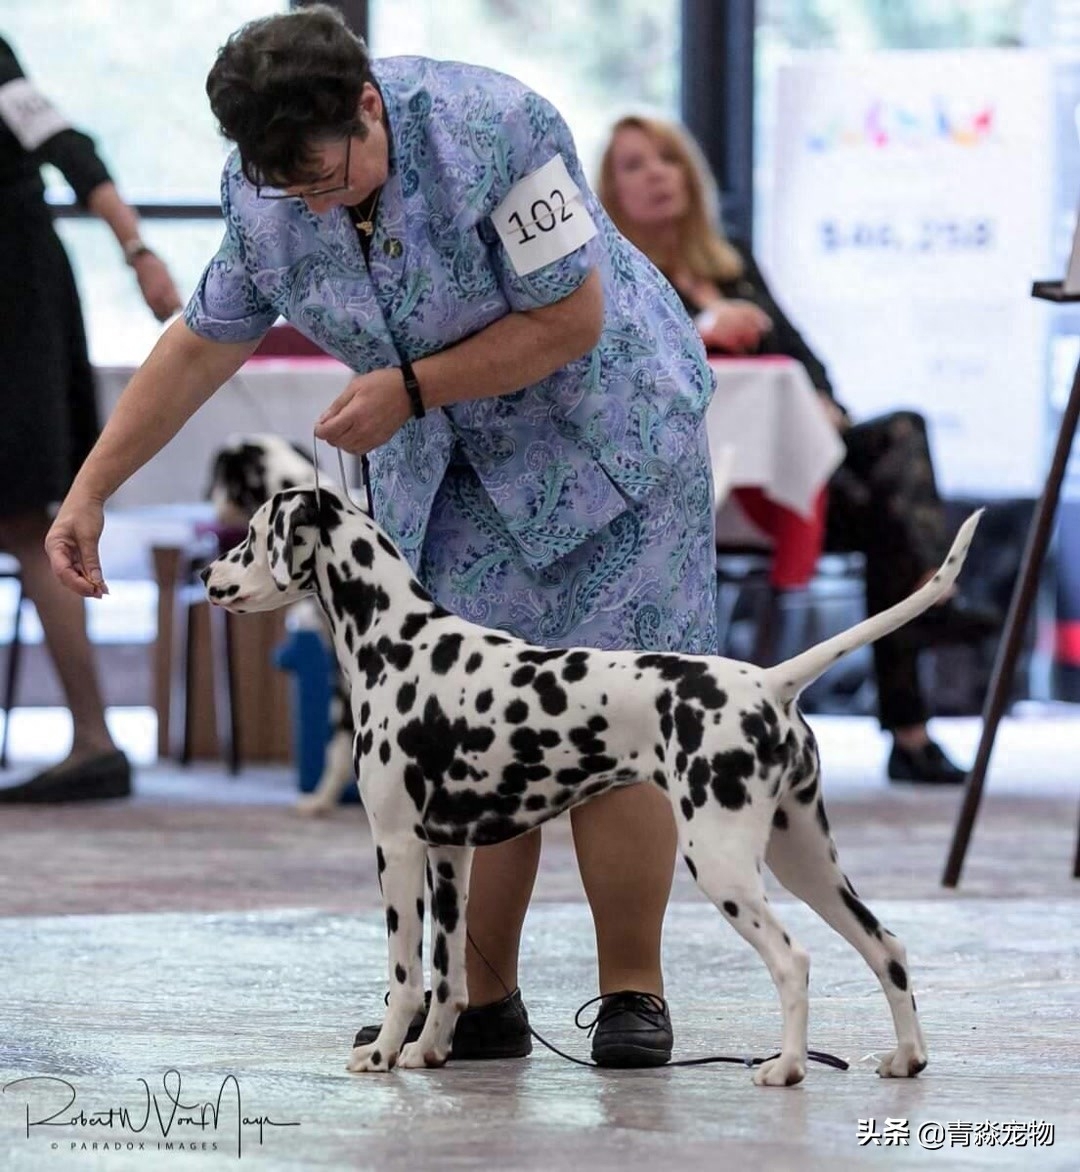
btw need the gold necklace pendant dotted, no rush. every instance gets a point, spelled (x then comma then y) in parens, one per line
(366, 222)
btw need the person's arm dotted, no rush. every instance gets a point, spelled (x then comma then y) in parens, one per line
(181, 373)
(47, 137)
(516, 351)
(157, 287)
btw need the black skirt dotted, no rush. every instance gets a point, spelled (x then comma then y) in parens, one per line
(46, 381)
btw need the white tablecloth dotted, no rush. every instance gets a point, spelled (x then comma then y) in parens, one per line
(284, 396)
(767, 429)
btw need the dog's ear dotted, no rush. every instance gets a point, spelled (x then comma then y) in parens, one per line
(290, 513)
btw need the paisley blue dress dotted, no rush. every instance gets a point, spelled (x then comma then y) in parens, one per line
(574, 512)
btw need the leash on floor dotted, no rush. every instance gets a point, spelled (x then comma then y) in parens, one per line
(811, 1055)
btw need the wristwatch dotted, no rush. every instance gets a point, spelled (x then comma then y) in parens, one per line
(135, 248)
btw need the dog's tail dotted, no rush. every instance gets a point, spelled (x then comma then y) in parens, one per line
(786, 680)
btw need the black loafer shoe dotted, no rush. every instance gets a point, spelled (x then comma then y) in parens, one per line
(499, 1030)
(926, 766)
(631, 1029)
(93, 780)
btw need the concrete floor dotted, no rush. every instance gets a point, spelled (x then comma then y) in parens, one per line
(270, 989)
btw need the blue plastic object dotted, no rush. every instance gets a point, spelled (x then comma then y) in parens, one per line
(312, 664)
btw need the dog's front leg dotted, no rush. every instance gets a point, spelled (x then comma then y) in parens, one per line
(401, 876)
(448, 880)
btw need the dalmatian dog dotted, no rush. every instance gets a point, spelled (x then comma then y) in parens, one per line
(466, 737)
(246, 473)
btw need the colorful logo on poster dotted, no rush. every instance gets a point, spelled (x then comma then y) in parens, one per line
(886, 125)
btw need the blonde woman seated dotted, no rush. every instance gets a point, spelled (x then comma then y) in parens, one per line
(883, 500)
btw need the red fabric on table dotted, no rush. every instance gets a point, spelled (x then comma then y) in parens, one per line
(797, 541)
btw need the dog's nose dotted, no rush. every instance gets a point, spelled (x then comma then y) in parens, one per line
(205, 575)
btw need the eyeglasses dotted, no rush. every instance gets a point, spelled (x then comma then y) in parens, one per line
(315, 193)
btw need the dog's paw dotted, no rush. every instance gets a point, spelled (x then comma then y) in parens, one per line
(416, 1055)
(313, 805)
(369, 1059)
(783, 1071)
(906, 1061)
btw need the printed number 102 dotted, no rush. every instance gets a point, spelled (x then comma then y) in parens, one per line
(544, 216)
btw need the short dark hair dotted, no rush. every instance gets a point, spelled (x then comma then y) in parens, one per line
(282, 84)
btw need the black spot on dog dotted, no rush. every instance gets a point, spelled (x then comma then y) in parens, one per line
(780, 820)
(413, 625)
(406, 697)
(730, 771)
(536, 655)
(822, 821)
(697, 778)
(399, 655)
(690, 865)
(862, 913)
(536, 802)
(808, 793)
(689, 727)
(523, 675)
(897, 975)
(516, 712)
(362, 553)
(474, 663)
(433, 741)
(440, 955)
(414, 786)
(359, 600)
(376, 1057)
(552, 697)
(485, 700)
(400, 974)
(687, 808)
(731, 908)
(442, 992)
(391, 920)
(576, 667)
(445, 653)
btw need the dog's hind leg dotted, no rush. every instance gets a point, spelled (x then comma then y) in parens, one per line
(802, 856)
(448, 871)
(725, 866)
(401, 877)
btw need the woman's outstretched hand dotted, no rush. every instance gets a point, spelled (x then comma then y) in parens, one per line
(72, 546)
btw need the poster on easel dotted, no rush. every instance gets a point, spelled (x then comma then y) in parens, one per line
(910, 211)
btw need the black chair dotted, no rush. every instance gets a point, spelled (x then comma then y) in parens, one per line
(9, 568)
(787, 622)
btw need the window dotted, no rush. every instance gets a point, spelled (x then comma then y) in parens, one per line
(132, 76)
(595, 60)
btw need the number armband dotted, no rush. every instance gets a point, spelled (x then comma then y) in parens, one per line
(543, 218)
